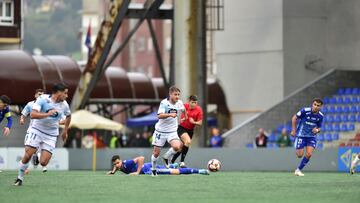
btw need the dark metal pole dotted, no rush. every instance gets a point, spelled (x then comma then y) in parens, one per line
(201, 67)
(157, 53)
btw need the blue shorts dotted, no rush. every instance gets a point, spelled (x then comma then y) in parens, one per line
(301, 142)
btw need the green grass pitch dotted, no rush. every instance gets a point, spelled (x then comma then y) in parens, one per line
(220, 187)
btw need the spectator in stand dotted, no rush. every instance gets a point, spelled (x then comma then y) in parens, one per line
(284, 139)
(261, 139)
(216, 138)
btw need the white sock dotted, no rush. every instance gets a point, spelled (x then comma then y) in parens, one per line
(22, 169)
(356, 160)
(169, 153)
(153, 161)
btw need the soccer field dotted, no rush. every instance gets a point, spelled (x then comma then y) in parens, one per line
(85, 186)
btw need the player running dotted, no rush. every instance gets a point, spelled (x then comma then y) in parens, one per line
(354, 163)
(169, 112)
(310, 124)
(46, 113)
(5, 113)
(137, 166)
(25, 113)
(186, 128)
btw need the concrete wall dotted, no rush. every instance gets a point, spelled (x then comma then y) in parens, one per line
(249, 56)
(326, 31)
(231, 159)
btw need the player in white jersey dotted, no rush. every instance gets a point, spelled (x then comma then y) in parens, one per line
(169, 113)
(46, 113)
(25, 113)
(354, 163)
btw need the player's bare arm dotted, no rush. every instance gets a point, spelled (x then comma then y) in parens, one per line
(166, 115)
(64, 133)
(293, 125)
(140, 162)
(35, 114)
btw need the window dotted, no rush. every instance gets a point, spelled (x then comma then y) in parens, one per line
(6, 12)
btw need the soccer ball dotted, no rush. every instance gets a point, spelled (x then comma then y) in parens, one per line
(214, 165)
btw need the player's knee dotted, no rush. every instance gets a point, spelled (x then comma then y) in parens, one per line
(308, 155)
(43, 162)
(187, 143)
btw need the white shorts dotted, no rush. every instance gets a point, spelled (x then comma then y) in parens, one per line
(37, 139)
(160, 138)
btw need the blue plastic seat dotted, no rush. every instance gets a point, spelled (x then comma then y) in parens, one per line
(332, 100)
(337, 118)
(339, 100)
(338, 109)
(249, 145)
(355, 91)
(330, 118)
(332, 109)
(351, 127)
(358, 118)
(348, 91)
(347, 100)
(335, 136)
(272, 138)
(340, 91)
(320, 137)
(324, 110)
(354, 100)
(336, 127)
(352, 118)
(344, 118)
(328, 137)
(292, 139)
(346, 109)
(329, 127)
(353, 109)
(344, 127)
(326, 100)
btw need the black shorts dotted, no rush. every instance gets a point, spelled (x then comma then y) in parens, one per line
(181, 130)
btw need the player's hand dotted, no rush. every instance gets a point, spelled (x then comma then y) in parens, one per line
(173, 115)
(293, 133)
(6, 131)
(51, 112)
(64, 135)
(315, 130)
(22, 121)
(134, 174)
(191, 120)
(110, 173)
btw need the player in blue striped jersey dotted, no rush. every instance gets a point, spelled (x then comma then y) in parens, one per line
(310, 124)
(137, 166)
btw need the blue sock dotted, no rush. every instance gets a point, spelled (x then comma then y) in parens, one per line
(303, 162)
(188, 170)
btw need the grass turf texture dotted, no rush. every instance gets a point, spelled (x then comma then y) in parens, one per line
(86, 186)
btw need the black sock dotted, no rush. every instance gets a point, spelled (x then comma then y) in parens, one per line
(184, 151)
(175, 157)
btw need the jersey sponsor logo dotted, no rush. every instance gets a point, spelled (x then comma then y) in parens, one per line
(310, 123)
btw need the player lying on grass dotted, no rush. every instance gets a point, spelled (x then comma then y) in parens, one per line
(137, 166)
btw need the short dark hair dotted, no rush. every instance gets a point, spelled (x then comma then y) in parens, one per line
(5, 99)
(113, 158)
(59, 87)
(174, 89)
(193, 98)
(38, 90)
(318, 100)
